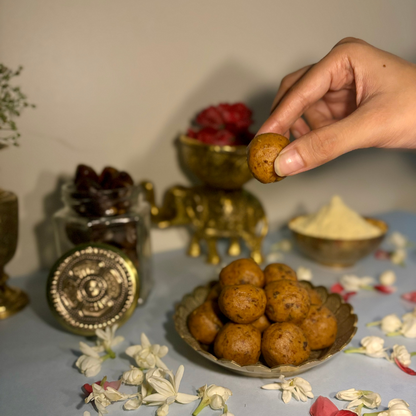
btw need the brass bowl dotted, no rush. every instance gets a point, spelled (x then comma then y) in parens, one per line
(347, 327)
(338, 253)
(223, 167)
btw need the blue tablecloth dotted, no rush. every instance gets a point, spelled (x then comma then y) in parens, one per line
(38, 376)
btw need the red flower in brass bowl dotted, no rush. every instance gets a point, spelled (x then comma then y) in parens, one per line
(224, 125)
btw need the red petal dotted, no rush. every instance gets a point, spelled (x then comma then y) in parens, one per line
(113, 384)
(87, 388)
(191, 133)
(237, 116)
(345, 412)
(382, 254)
(323, 407)
(405, 369)
(411, 296)
(210, 117)
(337, 288)
(385, 289)
(206, 134)
(347, 295)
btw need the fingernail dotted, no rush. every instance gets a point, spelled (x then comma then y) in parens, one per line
(288, 162)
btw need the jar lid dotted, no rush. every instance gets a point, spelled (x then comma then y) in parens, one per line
(92, 286)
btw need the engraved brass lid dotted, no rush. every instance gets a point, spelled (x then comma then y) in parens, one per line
(92, 286)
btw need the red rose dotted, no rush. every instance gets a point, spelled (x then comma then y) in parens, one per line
(225, 124)
(191, 133)
(210, 117)
(209, 135)
(237, 117)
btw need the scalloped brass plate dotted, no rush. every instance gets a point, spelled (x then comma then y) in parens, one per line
(347, 327)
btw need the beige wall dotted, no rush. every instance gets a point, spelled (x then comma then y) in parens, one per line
(116, 81)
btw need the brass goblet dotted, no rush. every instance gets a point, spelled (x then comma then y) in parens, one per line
(220, 167)
(12, 299)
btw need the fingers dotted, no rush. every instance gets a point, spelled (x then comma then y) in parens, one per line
(360, 129)
(333, 73)
(319, 115)
(299, 128)
(307, 90)
(286, 83)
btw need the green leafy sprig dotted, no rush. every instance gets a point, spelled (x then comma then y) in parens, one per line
(12, 103)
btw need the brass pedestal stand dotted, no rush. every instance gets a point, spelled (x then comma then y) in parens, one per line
(219, 208)
(12, 300)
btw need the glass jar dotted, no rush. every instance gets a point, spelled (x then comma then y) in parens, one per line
(118, 217)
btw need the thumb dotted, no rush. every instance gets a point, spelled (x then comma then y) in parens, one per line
(327, 143)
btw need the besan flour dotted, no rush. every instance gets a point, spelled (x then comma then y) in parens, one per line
(335, 221)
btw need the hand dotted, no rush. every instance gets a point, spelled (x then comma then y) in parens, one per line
(357, 96)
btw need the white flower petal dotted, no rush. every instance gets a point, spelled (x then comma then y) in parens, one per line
(395, 402)
(371, 400)
(114, 395)
(145, 341)
(286, 396)
(101, 334)
(350, 394)
(163, 351)
(178, 377)
(155, 399)
(185, 398)
(162, 386)
(87, 350)
(409, 328)
(163, 410)
(155, 349)
(159, 363)
(133, 350)
(302, 383)
(273, 386)
(133, 404)
(217, 402)
(117, 340)
(354, 403)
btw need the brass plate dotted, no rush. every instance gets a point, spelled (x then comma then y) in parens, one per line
(92, 286)
(347, 327)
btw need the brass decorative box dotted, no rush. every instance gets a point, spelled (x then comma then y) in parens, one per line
(347, 327)
(92, 286)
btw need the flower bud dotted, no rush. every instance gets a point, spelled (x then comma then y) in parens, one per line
(304, 273)
(391, 323)
(387, 278)
(400, 352)
(350, 394)
(217, 402)
(409, 328)
(134, 376)
(399, 256)
(373, 345)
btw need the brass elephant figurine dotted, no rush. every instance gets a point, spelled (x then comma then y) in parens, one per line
(213, 214)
